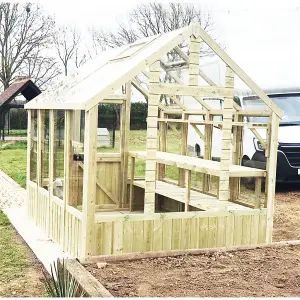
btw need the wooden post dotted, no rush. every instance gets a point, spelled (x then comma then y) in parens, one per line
(194, 58)
(162, 145)
(188, 174)
(150, 178)
(267, 154)
(208, 133)
(183, 146)
(237, 153)
(67, 156)
(29, 143)
(271, 176)
(131, 183)
(52, 137)
(226, 138)
(122, 148)
(257, 192)
(124, 152)
(29, 146)
(89, 179)
(40, 145)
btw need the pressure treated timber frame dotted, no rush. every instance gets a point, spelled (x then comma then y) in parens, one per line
(117, 212)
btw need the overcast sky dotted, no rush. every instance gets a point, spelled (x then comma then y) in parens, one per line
(259, 35)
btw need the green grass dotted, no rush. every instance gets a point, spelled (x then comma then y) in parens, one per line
(13, 161)
(14, 260)
(17, 132)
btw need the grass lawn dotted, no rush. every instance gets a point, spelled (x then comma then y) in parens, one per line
(13, 161)
(17, 132)
(20, 273)
(13, 155)
(13, 158)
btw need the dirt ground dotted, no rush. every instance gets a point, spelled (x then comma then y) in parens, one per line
(269, 272)
(287, 213)
(31, 283)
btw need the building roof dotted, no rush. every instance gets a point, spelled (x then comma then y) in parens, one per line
(25, 87)
(108, 72)
(101, 77)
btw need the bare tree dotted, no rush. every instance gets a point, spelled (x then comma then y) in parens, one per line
(24, 34)
(66, 41)
(154, 18)
(42, 68)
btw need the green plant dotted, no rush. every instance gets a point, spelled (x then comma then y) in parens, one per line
(61, 283)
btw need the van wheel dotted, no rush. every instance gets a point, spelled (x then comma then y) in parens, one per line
(249, 182)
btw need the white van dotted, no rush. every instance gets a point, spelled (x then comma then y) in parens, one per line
(288, 159)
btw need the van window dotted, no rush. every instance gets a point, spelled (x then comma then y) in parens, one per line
(289, 103)
(215, 104)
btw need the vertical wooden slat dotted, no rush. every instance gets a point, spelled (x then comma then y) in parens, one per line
(128, 236)
(162, 144)
(226, 138)
(157, 235)
(89, 178)
(257, 192)
(29, 146)
(203, 233)
(124, 157)
(167, 236)
(238, 230)
(150, 174)
(148, 236)
(118, 237)
(131, 183)
(188, 175)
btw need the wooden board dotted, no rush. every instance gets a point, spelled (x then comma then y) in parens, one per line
(200, 165)
(197, 199)
(181, 233)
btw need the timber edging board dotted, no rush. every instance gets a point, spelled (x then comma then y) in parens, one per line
(87, 282)
(174, 253)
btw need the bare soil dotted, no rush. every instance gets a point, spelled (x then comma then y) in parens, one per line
(287, 213)
(268, 272)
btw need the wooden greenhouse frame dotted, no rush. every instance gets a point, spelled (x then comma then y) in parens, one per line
(105, 209)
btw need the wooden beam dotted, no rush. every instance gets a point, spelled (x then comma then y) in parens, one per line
(195, 91)
(258, 181)
(188, 175)
(104, 189)
(52, 137)
(30, 114)
(150, 176)
(68, 157)
(258, 136)
(173, 127)
(131, 184)
(224, 190)
(163, 130)
(201, 73)
(40, 145)
(124, 153)
(239, 72)
(271, 176)
(89, 179)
